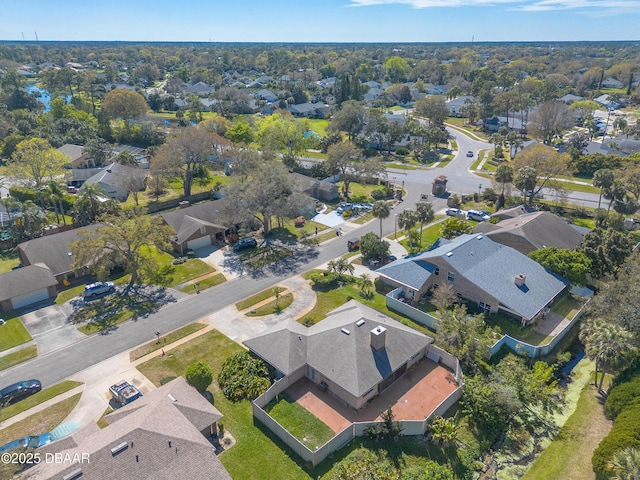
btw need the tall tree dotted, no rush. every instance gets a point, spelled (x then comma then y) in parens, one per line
(125, 104)
(35, 162)
(345, 159)
(547, 163)
(407, 219)
(350, 118)
(607, 249)
(381, 210)
(550, 119)
(99, 149)
(122, 239)
(603, 179)
(504, 175)
(425, 214)
(433, 107)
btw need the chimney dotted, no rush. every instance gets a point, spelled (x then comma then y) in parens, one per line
(378, 335)
(520, 278)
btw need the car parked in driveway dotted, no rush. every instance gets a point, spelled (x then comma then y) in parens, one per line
(478, 216)
(32, 441)
(98, 288)
(245, 244)
(19, 390)
(454, 212)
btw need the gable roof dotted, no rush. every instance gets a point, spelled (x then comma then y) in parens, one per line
(185, 220)
(53, 250)
(25, 280)
(345, 359)
(117, 176)
(492, 268)
(162, 433)
(73, 151)
(538, 229)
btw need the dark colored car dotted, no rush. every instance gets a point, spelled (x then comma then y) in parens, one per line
(469, 153)
(19, 390)
(244, 244)
(32, 441)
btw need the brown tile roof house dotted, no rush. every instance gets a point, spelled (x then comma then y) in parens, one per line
(532, 231)
(52, 250)
(25, 286)
(160, 436)
(196, 226)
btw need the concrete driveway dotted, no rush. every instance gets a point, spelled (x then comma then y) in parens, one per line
(50, 327)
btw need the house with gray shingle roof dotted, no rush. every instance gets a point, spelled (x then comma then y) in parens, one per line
(195, 227)
(119, 180)
(25, 286)
(532, 231)
(355, 352)
(497, 278)
(163, 435)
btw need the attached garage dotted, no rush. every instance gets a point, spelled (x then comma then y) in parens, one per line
(25, 286)
(199, 242)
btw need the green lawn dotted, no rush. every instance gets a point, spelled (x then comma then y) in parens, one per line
(567, 306)
(19, 356)
(274, 306)
(258, 297)
(319, 126)
(256, 447)
(167, 339)
(299, 422)
(205, 283)
(429, 235)
(37, 399)
(13, 332)
(192, 268)
(513, 328)
(69, 293)
(8, 260)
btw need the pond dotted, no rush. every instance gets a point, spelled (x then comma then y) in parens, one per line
(44, 98)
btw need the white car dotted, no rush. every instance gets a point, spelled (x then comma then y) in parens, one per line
(98, 288)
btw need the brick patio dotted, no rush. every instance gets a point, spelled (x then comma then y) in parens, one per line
(412, 397)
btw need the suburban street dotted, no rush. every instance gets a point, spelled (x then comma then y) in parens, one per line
(60, 364)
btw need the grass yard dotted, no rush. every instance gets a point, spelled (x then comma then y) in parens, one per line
(19, 356)
(192, 268)
(319, 126)
(568, 305)
(274, 306)
(13, 332)
(266, 255)
(112, 310)
(205, 283)
(299, 421)
(429, 235)
(8, 260)
(513, 328)
(41, 422)
(37, 399)
(256, 446)
(258, 297)
(68, 294)
(359, 192)
(166, 339)
(569, 455)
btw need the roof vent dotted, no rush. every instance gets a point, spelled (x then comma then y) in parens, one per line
(70, 254)
(479, 237)
(448, 254)
(171, 397)
(346, 332)
(119, 448)
(77, 473)
(360, 322)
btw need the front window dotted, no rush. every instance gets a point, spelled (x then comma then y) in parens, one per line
(451, 276)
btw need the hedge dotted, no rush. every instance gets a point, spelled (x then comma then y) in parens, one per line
(625, 433)
(24, 193)
(621, 396)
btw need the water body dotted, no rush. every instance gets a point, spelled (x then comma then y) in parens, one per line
(45, 96)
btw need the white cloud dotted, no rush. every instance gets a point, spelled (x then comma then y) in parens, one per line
(591, 7)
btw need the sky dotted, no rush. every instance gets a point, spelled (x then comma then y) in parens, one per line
(303, 21)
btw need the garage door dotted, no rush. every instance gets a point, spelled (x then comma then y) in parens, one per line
(30, 298)
(199, 242)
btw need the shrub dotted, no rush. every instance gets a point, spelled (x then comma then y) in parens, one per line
(402, 151)
(199, 375)
(625, 433)
(380, 193)
(324, 279)
(179, 260)
(243, 376)
(621, 396)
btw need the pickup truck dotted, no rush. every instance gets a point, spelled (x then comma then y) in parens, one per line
(123, 392)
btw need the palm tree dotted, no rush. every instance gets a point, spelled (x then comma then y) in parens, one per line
(55, 192)
(609, 344)
(364, 283)
(424, 210)
(504, 175)
(381, 210)
(603, 178)
(92, 192)
(625, 464)
(407, 219)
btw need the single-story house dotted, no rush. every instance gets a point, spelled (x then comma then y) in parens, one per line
(54, 251)
(77, 156)
(493, 276)
(612, 83)
(164, 434)
(25, 286)
(318, 189)
(195, 227)
(266, 95)
(456, 105)
(569, 98)
(119, 180)
(532, 231)
(355, 352)
(310, 110)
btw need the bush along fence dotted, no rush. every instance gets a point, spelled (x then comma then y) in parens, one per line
(358, 429)
(521, 348)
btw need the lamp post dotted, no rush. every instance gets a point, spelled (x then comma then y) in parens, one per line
(479, 189)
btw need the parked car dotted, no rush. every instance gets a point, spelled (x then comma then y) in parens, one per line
(19, 390)
(470, 153)
(453, 212)
(98, 288)
(32, 441)
(244, 244)
(353, 244)
(123, 392)
(478, 216)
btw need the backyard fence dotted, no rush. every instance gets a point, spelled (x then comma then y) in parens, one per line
(394, 303)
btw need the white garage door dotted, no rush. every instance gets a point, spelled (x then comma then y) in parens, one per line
(30, 298)
(199, 242)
